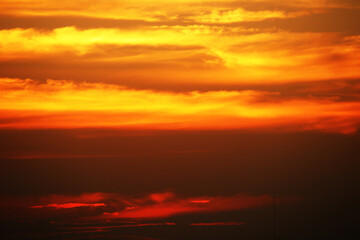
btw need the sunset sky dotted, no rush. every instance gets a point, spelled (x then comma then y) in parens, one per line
(180, 119)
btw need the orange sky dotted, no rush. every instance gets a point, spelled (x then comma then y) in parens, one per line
(187, 119)
(190, 65)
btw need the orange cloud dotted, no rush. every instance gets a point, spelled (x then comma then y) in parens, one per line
(195, 45)
(241, 15)
(242, 55)
(139, 9)
(65, 104)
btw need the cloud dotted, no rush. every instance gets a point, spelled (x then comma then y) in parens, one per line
(166, 49)
(241, 15)
(128, 211)
(65, 104)
(152, 206)
(189, 206)
(176, 54)
(148, 10)
(69, 205)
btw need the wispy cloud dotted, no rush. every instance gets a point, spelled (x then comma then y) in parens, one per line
(70, 205)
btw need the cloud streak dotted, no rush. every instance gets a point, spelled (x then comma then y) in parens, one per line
(69, 205)
(146, 10)
(177, 206)
(65, 104)
(153, 54)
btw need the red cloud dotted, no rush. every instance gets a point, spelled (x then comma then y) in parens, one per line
(70, 205)
(177, 206)
(161, 197)
(151, 206)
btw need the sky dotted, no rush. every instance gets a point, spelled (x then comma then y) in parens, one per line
(206, 119)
